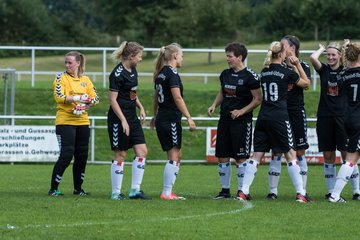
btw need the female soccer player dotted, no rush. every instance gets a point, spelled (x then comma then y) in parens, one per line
(351, 85)
(273, 129)
(124, 127)
(297, 117)
(240, 93)
(73, 93)
(169, 106)
(330, 125)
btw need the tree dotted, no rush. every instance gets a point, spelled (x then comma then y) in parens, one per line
(25, 22)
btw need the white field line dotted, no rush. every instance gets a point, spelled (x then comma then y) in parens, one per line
(246, 206)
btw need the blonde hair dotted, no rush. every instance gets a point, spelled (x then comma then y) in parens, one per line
(352, 52)
(275, 49)
(336, 46)
(125, 50)
(165, 54)
(79, 57)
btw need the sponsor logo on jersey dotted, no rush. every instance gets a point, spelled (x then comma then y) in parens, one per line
(230, 90)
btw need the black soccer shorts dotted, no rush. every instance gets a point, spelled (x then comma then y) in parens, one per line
(331, 133)
(353, 131)
(119, 140)
(299, 127)
(233, 139)
(275, 135)
(169, 134)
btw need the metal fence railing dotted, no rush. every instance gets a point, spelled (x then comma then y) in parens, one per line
(105, 50)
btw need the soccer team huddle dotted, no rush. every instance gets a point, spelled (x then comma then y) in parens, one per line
(280, 126)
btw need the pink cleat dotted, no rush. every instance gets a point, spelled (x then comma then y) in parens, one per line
(172, 196)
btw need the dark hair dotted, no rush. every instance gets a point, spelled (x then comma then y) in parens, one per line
(293, 41)
(238, 49)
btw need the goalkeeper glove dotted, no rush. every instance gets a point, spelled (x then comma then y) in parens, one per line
(82, 98)
(79, 109)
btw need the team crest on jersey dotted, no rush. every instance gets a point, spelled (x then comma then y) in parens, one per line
(240, 81)
(83, 84)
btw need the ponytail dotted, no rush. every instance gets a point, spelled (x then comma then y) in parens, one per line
(165, 55)
(125, 50)
(275, 49)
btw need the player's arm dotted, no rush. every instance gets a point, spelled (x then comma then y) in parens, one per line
(117, 109)
(304, 81)
(91, 90)
(314, 57)
(256, 101)
(180, 103)
(218, 100)
(59, 90)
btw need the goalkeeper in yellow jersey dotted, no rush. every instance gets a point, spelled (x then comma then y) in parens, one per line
(74, 93)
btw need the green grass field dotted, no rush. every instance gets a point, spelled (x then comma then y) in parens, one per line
(34, 215)
(26, 206)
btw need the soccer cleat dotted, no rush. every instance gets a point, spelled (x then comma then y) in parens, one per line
(222, 195)
(327, 196)
(356, 196)
(137, 194)
(118, 196)
(301, 198)
(308, 198)
(172, 196)
(271, 196)
(80, 192)
(242, 196)
(54, 193)
(340, 200)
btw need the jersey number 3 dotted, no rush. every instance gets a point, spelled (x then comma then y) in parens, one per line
(159, 89)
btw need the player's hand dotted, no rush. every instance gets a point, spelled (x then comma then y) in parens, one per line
(142, 115)
(192, 125)
(152, 123)
(293, 60)
(126, 128)
(211, 110)
(79, 109)
(321, 47)
(235, 113)
(85, 98)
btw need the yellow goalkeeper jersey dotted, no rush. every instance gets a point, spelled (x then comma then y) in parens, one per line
(67, 85)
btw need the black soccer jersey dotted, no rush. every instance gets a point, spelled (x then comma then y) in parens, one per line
(295, 93)
(332, 101)
(125, 83)
(236, 90)
(351, 84)
(274, 83)
(168, 78)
